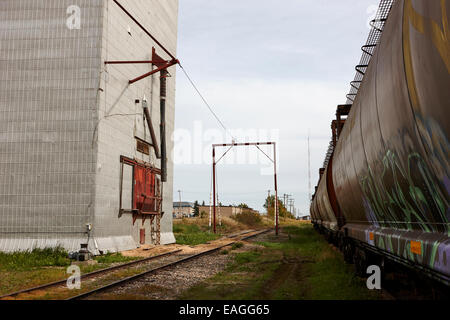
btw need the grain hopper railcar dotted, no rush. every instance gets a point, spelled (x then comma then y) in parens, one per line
(384, 190)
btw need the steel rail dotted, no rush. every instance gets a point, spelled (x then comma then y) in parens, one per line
(168, 265)
(90, 274)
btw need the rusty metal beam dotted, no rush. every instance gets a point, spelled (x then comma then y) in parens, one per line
(243, 144)
(152, 131)
(129, 62)
(148, 74)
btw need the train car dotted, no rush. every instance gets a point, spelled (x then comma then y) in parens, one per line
(329, 224)
(389, 170)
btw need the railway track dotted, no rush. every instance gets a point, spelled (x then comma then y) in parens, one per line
(88, 275)
(166, 265)
(166, 260)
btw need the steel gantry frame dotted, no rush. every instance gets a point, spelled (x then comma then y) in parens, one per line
(256, 144)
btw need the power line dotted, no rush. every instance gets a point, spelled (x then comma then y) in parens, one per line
(206, 103)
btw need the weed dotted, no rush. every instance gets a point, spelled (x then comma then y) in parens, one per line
(246, 257)
(249, 218)
(195, 238)
(28, 260)
(113, 258)
(237, 245)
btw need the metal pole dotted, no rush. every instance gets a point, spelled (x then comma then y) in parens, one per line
(210, 208)
(276, 189)
(179, 204)
(162, 126)
(214, 186)
(309, 171)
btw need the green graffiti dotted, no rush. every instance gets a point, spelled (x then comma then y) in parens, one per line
(413, 200)
(434, 250)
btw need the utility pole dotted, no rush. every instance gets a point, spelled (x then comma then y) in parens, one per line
(291, 205)
(214, 186)
(309, 171)
(286, 199)
(179, 203)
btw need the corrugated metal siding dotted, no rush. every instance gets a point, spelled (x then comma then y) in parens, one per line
(49, 77)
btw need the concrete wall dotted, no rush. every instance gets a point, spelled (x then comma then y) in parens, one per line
(60, 133)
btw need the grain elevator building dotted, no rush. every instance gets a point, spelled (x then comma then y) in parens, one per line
(83, 148)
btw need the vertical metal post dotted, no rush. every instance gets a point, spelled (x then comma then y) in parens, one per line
(309, 171)
(179, 204)
(276, 188)
(210, 209)
(162, 126)
(214, 186)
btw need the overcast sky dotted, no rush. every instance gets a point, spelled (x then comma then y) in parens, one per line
(272, 70)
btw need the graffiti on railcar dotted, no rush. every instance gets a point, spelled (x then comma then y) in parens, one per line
(405, 197)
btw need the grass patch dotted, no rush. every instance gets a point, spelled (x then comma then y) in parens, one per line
(299, 264)
(246, 257)
(193, 239)
(237, 245)
(192, 234)
(249, 218)
(26, 269)
(113, 258)
(28, 260)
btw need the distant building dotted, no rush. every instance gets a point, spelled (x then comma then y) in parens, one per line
(226, 211)
(183, 209)
(305, 218)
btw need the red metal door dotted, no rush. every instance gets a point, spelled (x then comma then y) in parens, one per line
(144, 190)
(139, 187)
(149, 203)
(142, 236)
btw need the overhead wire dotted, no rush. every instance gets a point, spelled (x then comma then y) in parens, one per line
(207, 104)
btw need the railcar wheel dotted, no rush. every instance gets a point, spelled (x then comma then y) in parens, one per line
(361, 262)
(348, 251)
(340, 242)
(330, 237)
